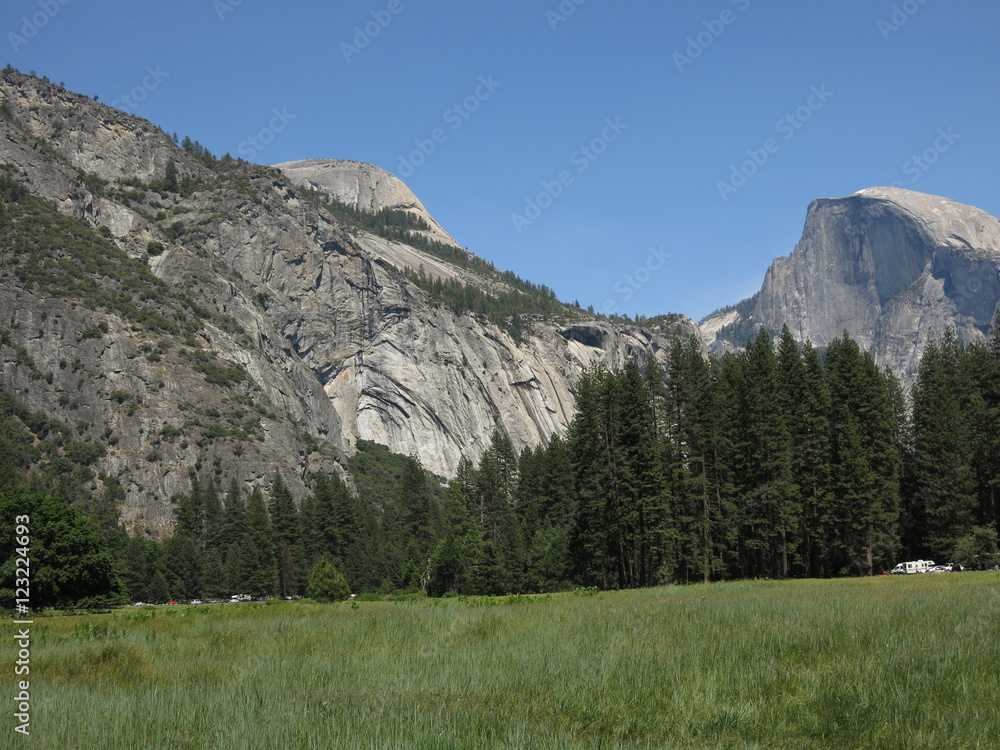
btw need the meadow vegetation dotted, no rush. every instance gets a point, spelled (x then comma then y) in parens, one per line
(888, 662)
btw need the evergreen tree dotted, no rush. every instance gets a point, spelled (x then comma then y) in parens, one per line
(416, 531)
(639, 506)
(693, 444)
(233, 527)
(982, 363)
(495, 493)
(181, 564)
(487, 576)
(170, 177)
(943, 464)
(865, 462)
(319, 530)
(447, 567)
(189, 512)
(769, 492)
(105, 509)
(589, 437)
(281, 508)
(158, 591)
(285, 526)
(810, 432)
(258, 549)
(236, 569)
(461, 541)
(546, 509)
(212, 515)
(213, 575)
(326, 584)
(137, 562)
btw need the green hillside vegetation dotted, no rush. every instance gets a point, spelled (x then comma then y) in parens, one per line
(64, 258)
(501, 307)
(47, 475)
(889, 663)
(44, 453)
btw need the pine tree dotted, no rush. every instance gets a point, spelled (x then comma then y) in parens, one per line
(105, 509)
(461, 542)
(495, 493)
(158, 591)
(810, 431)
(694, 458)
(233, 527)
(412, 531)
(545, 506)
(641, 498)
(769, 490)
(181, 564)
(236, 569)
(318, 523)
(189, 511)
(213, 575)
(137, 564)
(589, 442)
(258, 549)
(982, 365)
(170, 177)
(447, 567)
(487, 576)
(285, 526)
(865, 462)
(943, 471)
(212, 516)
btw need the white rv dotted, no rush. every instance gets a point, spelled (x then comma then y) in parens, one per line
(916, 566)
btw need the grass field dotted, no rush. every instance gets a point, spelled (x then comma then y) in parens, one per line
(906, 662)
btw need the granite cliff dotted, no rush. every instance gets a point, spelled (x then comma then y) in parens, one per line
(893, 267)
(187, 311)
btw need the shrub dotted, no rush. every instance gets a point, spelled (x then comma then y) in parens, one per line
(327, 584)
(978, 549)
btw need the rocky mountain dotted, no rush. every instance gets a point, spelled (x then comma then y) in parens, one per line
(893, 267)
(364, 187)
(184, 311)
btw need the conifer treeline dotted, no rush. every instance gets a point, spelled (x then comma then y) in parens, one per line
(778, 461)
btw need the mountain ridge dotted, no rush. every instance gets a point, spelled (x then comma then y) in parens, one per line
(893, 267)
(306, 334)
(302, 329)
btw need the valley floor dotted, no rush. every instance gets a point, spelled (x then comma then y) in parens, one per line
(889, 662)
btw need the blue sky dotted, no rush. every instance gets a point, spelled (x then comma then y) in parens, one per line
(642, 157)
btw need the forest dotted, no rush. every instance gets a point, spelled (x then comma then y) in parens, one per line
(777, 461)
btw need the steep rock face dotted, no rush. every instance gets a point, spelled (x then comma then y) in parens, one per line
(333, 342)
(397, 370)
(892, 267)
(147, 397)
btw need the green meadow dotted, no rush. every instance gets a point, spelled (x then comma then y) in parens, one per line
(899, 662)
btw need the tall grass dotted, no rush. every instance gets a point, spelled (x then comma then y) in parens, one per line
(906, 663)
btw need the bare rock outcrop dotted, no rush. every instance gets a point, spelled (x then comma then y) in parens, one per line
(362, 186)
(892, 267)
(294, 335)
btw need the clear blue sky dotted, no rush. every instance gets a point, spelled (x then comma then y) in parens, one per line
(357, 80)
